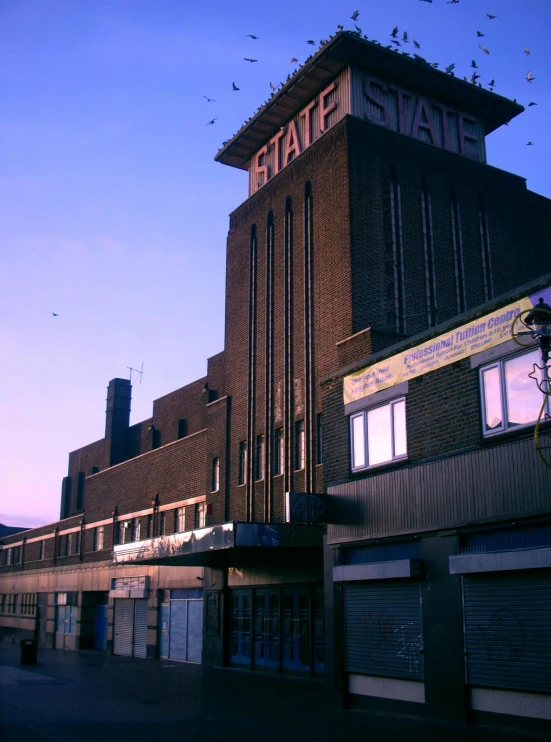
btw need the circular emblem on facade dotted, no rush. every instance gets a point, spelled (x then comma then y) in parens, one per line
(309, 508)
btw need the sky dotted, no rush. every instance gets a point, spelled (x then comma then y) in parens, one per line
(114, 215)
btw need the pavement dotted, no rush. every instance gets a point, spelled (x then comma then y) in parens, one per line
(95, 697)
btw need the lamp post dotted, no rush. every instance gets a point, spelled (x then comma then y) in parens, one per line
(538, 321)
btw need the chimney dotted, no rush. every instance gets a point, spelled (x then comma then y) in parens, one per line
(119, 395)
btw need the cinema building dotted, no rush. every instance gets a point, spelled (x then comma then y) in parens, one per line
(373, 229)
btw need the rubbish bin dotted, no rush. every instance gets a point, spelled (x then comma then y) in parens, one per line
(28, 651)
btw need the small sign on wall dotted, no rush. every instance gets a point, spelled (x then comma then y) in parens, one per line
(306, 507)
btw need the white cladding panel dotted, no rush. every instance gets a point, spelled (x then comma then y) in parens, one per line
(407, 112)
(309, 128)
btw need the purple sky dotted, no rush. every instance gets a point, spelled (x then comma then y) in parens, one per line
(114, 214)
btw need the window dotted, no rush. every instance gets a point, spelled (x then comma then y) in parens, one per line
(99, 534)
(41, 550)
(149, 526)
(510, 398)
(300, 445)
(59, 545)
(77, 543)
(7, 557)
(215, 474)
(320, 439)
(136, 529)
(180, 520)
(162, 522)
(279, 451)
(68, 544)
(242, 462)
(259, 457)
(201, 514)
(378, 435)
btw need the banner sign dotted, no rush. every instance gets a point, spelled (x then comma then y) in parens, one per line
(480, 334)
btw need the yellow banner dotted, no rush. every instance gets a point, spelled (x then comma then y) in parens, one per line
(462, 342)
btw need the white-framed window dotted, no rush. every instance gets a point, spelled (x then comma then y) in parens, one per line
(99, 533)
(300, 445)
(180, 520)
(510, 397)
(201, 514)
(242, 473)
(378, 435)
(259, 457)
(279, 451)
(216, 474)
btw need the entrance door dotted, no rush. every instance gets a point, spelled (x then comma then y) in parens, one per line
(241, 627)
(164, 622)
(297, 630)
(100, 628)
(266, 629)
(185, 622)
(66, 627)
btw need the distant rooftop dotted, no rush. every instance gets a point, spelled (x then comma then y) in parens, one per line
(346, 49)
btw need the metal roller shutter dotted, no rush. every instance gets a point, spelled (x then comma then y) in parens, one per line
(124, 624)
(383, 629)
(508, 630)
(140, 628)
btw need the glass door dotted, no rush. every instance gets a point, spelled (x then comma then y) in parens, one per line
(297, 629)
(319, 631)
(241, 627)
(266, 629)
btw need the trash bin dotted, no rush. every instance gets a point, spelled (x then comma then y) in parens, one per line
(28, 651)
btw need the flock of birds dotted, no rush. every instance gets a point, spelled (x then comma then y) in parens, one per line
(396, 42)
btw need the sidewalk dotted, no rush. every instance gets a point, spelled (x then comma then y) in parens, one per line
(94, 697)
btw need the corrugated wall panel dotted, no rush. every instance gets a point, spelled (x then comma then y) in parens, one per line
(140, 628)
(508, 479)
(508, 630)
(383, 633)
(124, 626)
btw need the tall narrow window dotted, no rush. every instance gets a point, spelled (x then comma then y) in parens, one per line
(242, 462)
(99, 533)
(201, 514)
(68, 544)
(41, 550)
(485, 248)
(319, 439)
(259, 457)
(149, 526)
(279, 451)
(458, 254)
(77, 543)
(136, 529)
(216, 474)
(180, 520)
(430, 269)
(300, 445)
(397, 255)
(182, 428)
(162, 523)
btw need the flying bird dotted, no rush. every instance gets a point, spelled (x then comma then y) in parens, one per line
(529, 144)
(293, 60)
(527, 51)
(490, 16)
(272, 86)
(479, 34)
(435, 65)
(211, 122)
(340, 27)
(492, 83)
(234, 87)
(405, 37)
(358, 29)
(426, 1)
(474, 77)
(453, 2)
(474, 65)
(355, 15)
(248, 59)
(394, 33)
(54, 314)
(311, 41)
(486, 51)
(251, 36)
(416, 44)
(450, 67)
(395, 41)
(532, 104)
(209, 100)
(529, 77)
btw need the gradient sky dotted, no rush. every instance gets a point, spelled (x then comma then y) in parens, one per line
(114, 214)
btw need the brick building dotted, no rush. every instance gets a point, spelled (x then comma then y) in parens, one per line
(372, 218)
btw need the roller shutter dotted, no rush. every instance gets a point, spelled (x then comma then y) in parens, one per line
(383, 633)
(507, 630)
(140, 628)
(124, 626)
